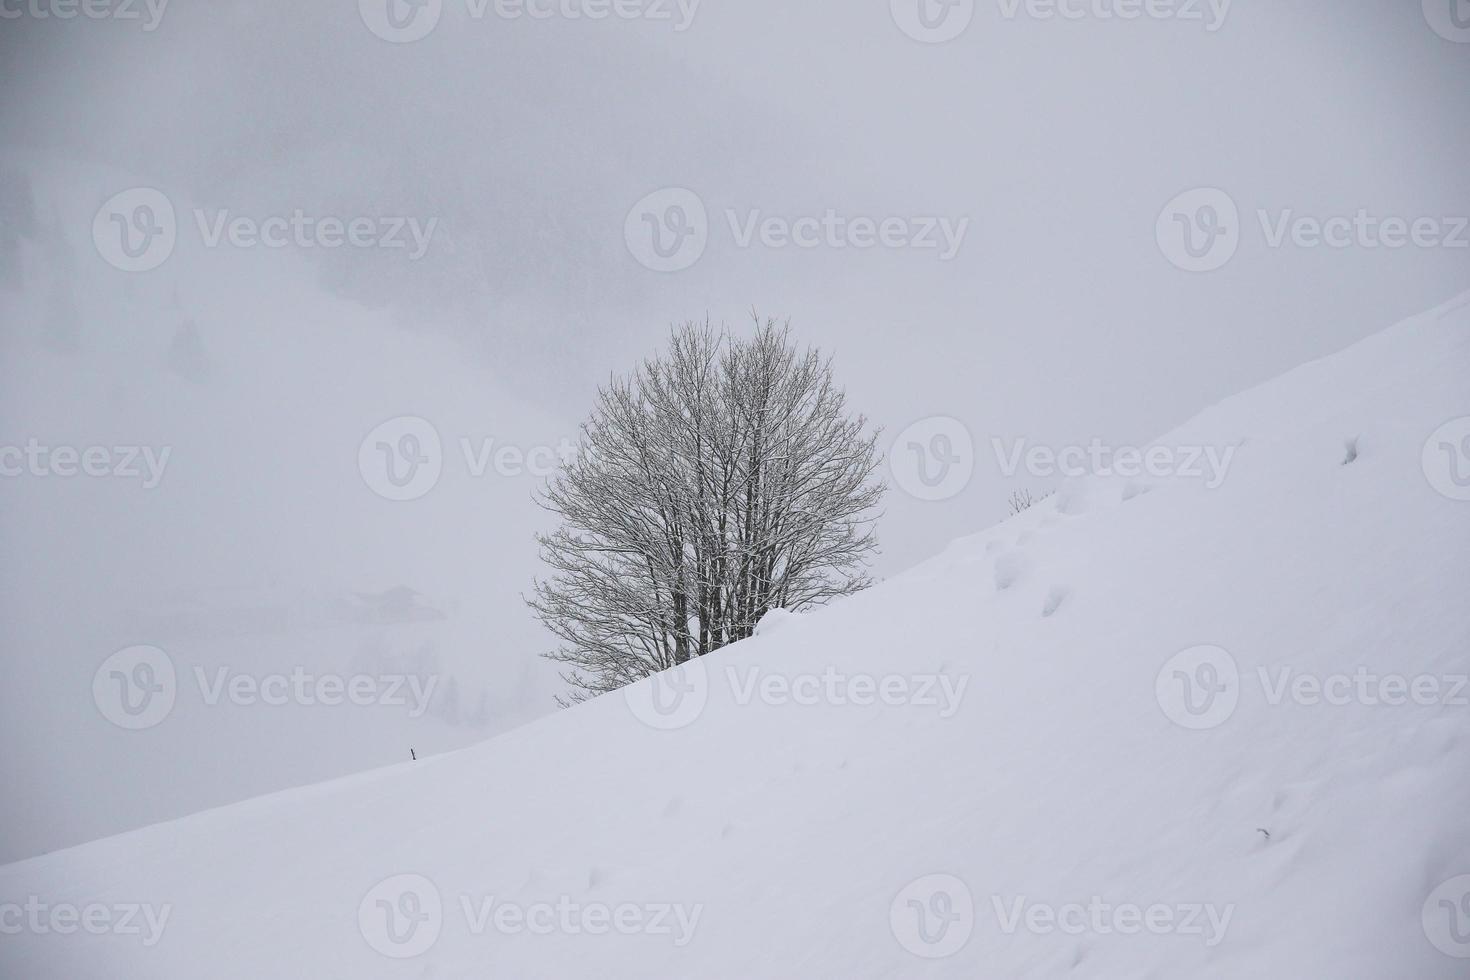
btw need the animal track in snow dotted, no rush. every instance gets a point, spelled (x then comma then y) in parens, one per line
(1008, 569)
(1054, 599)
(1132, 490)
(1071, 502)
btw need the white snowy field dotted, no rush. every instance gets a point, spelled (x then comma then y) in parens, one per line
(1145, 729)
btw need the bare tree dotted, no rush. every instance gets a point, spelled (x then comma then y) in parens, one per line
(719, 481)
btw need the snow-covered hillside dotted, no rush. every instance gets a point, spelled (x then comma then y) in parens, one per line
(1145, 729)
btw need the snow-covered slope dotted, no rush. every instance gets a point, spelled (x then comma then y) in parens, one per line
(1064, 747)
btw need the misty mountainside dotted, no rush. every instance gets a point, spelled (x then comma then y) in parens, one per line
(1143, 729)
(210, 540)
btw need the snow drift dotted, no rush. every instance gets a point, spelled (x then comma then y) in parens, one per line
(1144, 729)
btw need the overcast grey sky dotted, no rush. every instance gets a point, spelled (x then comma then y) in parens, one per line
(1042, 149)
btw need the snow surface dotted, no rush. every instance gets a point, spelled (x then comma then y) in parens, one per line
(1317, 840)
